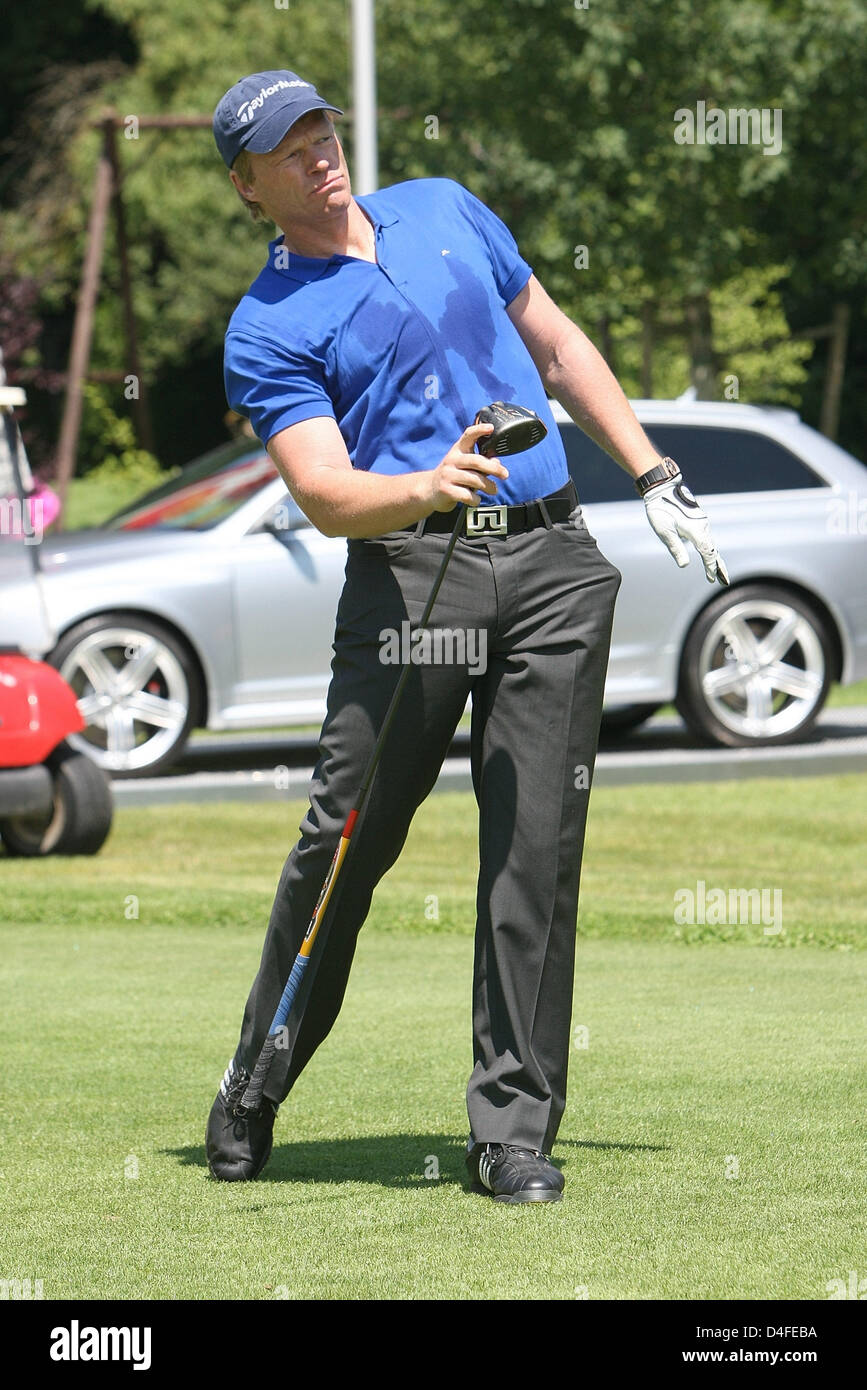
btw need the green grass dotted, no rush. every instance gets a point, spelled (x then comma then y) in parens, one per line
(840, 696)
(114, 484)
(89, 503)
(217, 865)
(93, 499)
(844, 695)
(712, 1145)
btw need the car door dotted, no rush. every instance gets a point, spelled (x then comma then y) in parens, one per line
(24, 621)
(763, 500)
(287, 582)
(643, 660)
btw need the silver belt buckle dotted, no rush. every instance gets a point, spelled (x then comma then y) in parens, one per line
(492, 520)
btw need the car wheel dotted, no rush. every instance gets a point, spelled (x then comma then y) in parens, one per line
(137, 688)
(756, 668)
(622, 719)
(79, 819)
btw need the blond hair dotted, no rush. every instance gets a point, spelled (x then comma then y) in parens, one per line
(243, 167)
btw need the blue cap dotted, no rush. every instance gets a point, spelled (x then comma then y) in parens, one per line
(256, 113)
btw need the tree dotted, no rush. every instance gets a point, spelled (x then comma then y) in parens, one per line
(563, 120)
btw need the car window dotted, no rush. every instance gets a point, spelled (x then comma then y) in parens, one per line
(203, 494)
(726, 460)
(595, 475)
(712, 459)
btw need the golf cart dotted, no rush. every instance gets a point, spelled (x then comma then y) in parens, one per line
(52, 799)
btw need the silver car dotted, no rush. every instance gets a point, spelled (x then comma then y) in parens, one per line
(211, 601)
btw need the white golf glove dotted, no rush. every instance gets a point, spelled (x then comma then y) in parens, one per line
(676, 517)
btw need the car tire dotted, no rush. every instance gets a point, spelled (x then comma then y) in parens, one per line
(138, 689)
(622, 719)
(756, 668)
(79, 819)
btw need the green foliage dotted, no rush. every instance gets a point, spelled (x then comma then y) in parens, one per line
(114, 435)
(195, 249)
(561, 119)
(752, 338)
(123, 471)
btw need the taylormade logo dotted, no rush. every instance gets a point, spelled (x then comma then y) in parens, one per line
(248, 109)
(75, 1343)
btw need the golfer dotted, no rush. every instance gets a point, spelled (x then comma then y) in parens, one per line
(376, 331)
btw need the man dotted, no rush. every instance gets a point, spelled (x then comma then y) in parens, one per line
(378, 328)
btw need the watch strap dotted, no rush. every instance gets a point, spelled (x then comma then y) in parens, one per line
(664, 472)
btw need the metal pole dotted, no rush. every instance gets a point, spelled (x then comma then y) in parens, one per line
(140, 402)
(834, 372)
(79, 353)
(365, 173)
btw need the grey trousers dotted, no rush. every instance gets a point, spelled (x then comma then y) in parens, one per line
(540, 608)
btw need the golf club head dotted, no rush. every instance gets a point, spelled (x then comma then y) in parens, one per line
(515, 429)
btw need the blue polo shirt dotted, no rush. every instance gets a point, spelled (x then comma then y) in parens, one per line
(401, 353)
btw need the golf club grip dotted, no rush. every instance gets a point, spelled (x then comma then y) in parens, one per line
(287, 998)
(252, 1097)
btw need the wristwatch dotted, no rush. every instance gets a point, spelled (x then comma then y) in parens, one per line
(663, 472)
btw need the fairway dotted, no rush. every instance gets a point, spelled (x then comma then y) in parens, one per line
(713, 1142)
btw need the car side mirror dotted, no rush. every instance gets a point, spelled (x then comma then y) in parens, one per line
(283, 518)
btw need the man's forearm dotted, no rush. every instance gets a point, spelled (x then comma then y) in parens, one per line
(348, 502)
(581, 380)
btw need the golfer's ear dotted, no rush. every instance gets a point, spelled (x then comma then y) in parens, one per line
(245, 189)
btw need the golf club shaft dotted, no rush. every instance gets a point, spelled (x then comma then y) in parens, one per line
(252, 1097)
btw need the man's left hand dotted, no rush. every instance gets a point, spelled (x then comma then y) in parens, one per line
(676, 516)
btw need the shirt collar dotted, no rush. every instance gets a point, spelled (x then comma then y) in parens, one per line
(303, 268)
(307, 268)
(386, 218)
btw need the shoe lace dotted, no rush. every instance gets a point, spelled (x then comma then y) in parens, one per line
(233, 1085)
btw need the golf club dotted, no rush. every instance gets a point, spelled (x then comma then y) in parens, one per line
(515, 429)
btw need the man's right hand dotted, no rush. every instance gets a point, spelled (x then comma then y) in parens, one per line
(463, 473)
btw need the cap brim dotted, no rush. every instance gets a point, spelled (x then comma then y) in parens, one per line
(268, 134)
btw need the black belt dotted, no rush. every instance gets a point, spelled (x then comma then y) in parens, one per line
(504, 521)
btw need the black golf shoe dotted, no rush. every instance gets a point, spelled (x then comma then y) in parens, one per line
(238, 1147)
(514, 1174)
